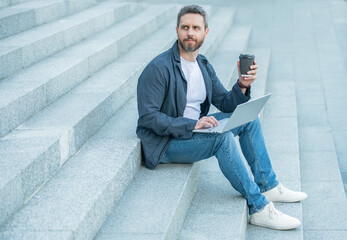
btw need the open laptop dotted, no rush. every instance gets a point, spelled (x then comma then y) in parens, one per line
(243, 113)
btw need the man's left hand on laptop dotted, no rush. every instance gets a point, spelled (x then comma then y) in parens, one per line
(206, 122)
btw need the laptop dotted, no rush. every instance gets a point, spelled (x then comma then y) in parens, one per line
(243, 113)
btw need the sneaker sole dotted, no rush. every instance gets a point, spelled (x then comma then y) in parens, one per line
(291, 201)
(274, 227)
(287, 201)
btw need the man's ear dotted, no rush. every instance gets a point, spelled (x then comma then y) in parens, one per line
(206, 31)
(176, 30)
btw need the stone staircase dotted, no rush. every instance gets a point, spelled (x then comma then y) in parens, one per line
(70, 161)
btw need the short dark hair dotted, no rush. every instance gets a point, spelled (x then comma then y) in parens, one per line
(192, 9)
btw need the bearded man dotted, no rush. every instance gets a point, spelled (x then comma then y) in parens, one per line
(174, 95)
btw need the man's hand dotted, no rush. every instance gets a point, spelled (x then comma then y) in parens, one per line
(247, 81)
(205, 122)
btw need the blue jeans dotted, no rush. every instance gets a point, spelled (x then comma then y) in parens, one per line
(223, 146)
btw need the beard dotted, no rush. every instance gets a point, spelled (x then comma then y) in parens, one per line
(188, 46)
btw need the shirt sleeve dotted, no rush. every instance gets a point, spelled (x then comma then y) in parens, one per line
(226, 101)
(151, 91)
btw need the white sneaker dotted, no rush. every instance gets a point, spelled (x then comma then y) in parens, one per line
(271, 217)
(283, 194)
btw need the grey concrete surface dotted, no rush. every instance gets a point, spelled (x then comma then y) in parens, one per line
(83, 193)
(155, 203)
(25, 169)
(38, 43)
(4, 3)
(68, 68)
(24, 16)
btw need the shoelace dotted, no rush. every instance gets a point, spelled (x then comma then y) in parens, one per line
(282, 188)
(274, 212)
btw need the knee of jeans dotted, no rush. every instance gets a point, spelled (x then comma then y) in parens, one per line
(228, 137)
(225, 141)
(255, 122)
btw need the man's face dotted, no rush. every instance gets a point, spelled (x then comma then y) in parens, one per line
(191, 32)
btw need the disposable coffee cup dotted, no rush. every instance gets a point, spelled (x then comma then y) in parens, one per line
(246, 60)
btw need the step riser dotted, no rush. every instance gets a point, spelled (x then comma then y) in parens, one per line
(19, 190)
(29, 17)
(24, 56)
(111, 196)
(16, 23)
(5, 3)
(183, 206)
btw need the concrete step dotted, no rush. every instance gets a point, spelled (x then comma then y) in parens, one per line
(27, 15)
(262, 57)
(32, 89)
(26, 48)
(75, 117)
(155, 204)
(5, 3)
(47, 200)
(77, 200)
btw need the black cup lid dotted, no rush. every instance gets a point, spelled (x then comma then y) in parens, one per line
(246, 56)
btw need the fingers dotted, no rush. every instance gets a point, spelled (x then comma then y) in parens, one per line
(250, 78)
(253, 72)
(211, 120)
(254, 67)
(207, 121)
(214, 120)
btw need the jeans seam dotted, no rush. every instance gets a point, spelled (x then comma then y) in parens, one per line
(238, 177)
(255, 158)
(270, 187)
(197, 139)
(258, 209)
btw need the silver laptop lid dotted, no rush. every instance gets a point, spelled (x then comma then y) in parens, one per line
(246, 112)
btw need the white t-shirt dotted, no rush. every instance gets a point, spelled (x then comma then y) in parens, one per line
(196, 89)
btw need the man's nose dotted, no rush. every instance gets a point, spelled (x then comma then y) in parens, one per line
(190, 32)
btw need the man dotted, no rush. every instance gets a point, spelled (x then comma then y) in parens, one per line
(175, 92)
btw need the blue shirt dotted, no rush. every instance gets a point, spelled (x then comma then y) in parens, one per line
(161, 100)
